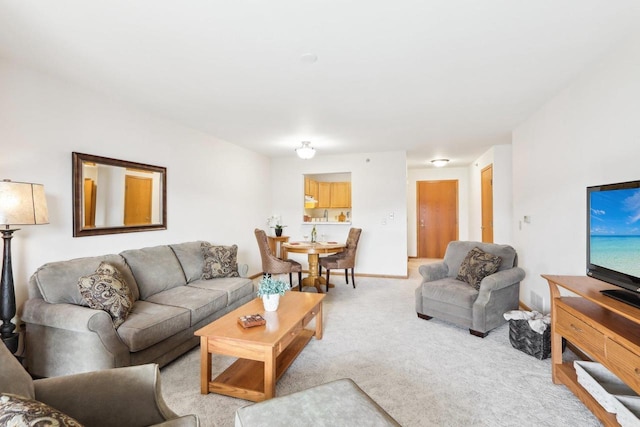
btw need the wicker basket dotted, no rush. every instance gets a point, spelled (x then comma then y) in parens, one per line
(527, 340)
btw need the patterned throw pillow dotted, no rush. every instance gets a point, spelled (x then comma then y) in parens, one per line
(219, 261)
(107, 290)
(20, 411)
(476, 266)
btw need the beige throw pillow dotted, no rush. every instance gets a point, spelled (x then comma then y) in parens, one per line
(107, 290)
(219, 261)
(476, 266)
(20, 411)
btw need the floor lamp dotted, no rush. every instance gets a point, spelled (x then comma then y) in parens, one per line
(21, 203)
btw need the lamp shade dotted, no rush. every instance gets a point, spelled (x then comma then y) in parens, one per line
(306, 151)
(22, 203)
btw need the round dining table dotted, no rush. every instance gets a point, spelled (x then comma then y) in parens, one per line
(313, 251)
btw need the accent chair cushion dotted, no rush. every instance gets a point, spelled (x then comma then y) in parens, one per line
(20, 411)
(107, 290)
(219, 261)
(476, 266)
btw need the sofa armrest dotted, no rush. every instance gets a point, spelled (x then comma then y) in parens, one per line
(435, 271)
(128, 396)
(65, 316)
(60, 322)
(501, 279)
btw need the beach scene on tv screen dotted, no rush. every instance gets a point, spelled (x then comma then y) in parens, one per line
(615, 230)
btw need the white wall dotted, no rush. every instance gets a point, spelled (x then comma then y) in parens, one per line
(437, 174)
(588, 135)
(500, 157)
(378, 189)
(215, 190)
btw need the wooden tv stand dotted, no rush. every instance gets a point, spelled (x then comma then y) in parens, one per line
(606, 329)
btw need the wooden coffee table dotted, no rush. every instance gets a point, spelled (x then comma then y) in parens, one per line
(264, 352)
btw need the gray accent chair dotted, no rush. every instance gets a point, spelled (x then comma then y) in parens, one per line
(442, 296)
(336, 403)
(117, 397)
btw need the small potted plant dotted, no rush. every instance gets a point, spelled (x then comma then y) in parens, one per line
(271, 290)
(278, 228)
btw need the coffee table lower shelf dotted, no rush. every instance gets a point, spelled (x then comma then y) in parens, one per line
(245, 378)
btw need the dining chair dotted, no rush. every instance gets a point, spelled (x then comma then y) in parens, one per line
(271, 264)
(344, 260)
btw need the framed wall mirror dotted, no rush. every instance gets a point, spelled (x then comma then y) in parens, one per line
(113, 196)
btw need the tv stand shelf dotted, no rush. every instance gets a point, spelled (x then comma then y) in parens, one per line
(606, 329)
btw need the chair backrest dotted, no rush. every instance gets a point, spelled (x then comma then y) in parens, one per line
(352, 243)
(265, 250)
(458, 250)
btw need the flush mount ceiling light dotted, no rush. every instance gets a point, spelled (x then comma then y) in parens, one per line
(439, 162)
(306, 151)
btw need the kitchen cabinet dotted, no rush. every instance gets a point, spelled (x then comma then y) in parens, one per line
(324, 194)
(340, 195)
(311, 188)
(334, 195)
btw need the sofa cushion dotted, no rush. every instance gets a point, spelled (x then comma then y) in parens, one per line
(450, 291)
(58, 281)
(191, 259)
(219, 261)
(20, 411)
(156, 269)
(235, 287)
(476, 266)
(150, 323)
(200, 302)
(106, 290)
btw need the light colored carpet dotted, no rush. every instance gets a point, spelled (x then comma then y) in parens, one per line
(424, 373)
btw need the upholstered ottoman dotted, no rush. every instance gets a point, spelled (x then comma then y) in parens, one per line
(338, 403)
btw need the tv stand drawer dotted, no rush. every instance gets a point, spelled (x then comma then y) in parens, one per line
(624, 363)
(580, 333)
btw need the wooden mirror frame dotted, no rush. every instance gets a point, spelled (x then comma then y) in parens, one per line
(79, 230)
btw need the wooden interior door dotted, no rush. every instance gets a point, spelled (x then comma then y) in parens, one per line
(137, 200)
(89, 203)
(486, 178)
(437, 203)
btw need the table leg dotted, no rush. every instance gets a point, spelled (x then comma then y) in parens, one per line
(205, 366)
(313, 279)
(270, 373)
(319, 322)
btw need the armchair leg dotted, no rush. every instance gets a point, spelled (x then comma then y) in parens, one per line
(300, 281)
(346, 275)
(353, 279)
(290, 279)
(424, 316)
(328, 272)
(478, 333)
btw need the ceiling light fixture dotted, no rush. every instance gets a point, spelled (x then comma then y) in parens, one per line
(306, 151)
(439, 162)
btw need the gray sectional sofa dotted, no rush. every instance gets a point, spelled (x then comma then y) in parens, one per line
(171, 301)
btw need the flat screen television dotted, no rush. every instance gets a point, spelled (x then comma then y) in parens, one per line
(613, 238)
